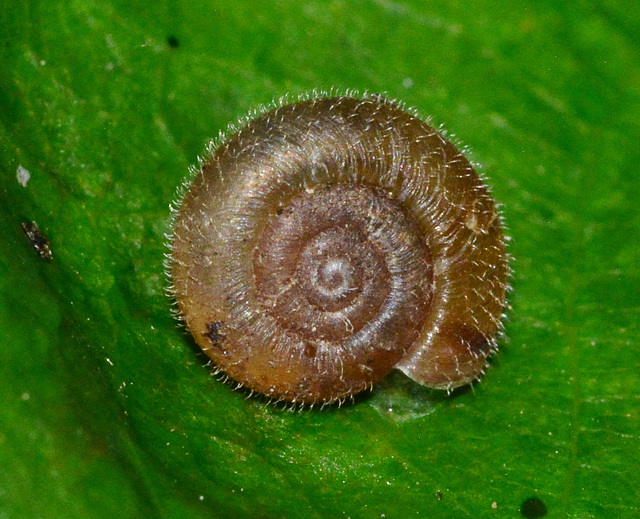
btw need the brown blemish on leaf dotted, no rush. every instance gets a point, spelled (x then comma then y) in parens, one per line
(37, 239)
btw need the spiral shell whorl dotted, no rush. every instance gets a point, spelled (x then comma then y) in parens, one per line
(333, 239)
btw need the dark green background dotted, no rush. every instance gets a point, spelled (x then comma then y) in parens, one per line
(107, 409)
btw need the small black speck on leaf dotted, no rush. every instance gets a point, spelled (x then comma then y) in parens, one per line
(173, 42)
(533, 508)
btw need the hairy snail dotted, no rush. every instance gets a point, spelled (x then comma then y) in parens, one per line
(331, 240)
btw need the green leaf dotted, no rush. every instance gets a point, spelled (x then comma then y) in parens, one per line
(107, 407)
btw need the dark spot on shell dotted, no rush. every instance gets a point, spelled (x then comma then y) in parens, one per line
(310, 351)
(214, 335)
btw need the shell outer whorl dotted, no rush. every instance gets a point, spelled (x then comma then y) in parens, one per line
(333, 239)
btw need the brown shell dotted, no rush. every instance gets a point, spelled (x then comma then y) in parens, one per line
(331, 240)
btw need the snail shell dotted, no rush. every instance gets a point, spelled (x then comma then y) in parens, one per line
(333, 239)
